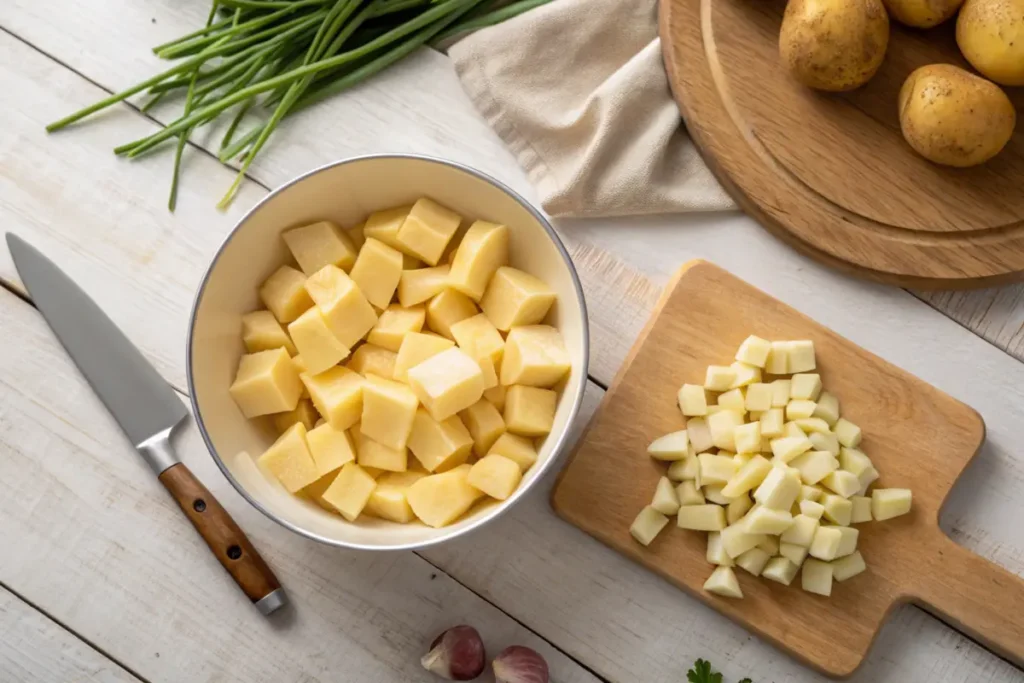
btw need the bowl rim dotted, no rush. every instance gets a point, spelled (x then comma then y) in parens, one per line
(521, 491)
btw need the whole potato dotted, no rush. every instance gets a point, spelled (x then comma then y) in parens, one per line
(922, 13)
(990, 33)
(952, 117)
(834, 44)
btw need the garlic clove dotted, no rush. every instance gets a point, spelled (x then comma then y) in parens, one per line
(518, 664)
(457, 654)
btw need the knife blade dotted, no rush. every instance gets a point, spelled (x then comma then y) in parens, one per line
(146, 408)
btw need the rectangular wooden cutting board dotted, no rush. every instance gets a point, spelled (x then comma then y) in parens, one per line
(918, 437)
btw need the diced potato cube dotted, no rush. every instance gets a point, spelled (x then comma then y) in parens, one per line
(772, 421)
(812, 509)
(837, 509)
(388, 411)
(723, 428)
(478, 337)
(692, 400)
(347, 312)
(812, 425)
(266, 383)
(390, 503)
(867, 477)
(284, 295)
(350, 491)
(780, 393)
(805, 387)
(759, 397)
(816, 577)
(331, 448)
(763, 520)
(736, 540)
(448, 308)
(337, 395)
(824, 442)
(515, 299)
(497, 476)
(496, 395)
(687, 468)
(394, 323)
(417, 286)
(535, 356)
(689, 494)
(700, 435)
(529, 411)
(377, 271)
(485, 425)
(670, 447)
(355, 233)
(780, 570)
(814, 466)
(848, 537)
(713, 494)
(827, 408)
(861, 510)
(489, 373)
(800, 356)
(777, 362)
(370, 359)
(304, 412)
(665, 500)
(793, 552)
(483, 250)
(848, 567)
(842, 482)
(440, 446)
(779, 489)
(447, 383)
(518, 449)
(737, 507)
(716, 469)
(770, 545)
(848, 433)
(853, 460)
(745, 374)
(319, 348)
(319, 244)
(733, 400)
(707, 517)
(372, 453)
(647, 525)
(802, 531)
(716, 551)
(825, 544)
(289, 460)
(427, 230)
(889, 503)
(416, 348)
(754, 351)
(753, 561)
(719, 378)
(748, 438)
(723, 582)
(748, 477)
(262, 332)
(315, 491)
(384, 225)
(788, 448)
(797, 409)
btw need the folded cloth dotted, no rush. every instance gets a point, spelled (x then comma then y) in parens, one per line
(577, 90)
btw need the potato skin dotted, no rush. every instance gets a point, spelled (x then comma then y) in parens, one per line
(834, 45)
(954, 118)
(990, 34)
(922, 13)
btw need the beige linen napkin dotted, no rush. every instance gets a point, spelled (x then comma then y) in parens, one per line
(577, 90)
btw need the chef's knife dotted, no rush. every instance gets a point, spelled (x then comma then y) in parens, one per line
(147, 409)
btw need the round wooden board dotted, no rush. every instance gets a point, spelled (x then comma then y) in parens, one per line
(830, 173)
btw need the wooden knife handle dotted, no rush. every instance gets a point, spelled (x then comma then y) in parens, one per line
(228, 543)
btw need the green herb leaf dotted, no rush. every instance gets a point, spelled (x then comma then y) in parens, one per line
(702, 673)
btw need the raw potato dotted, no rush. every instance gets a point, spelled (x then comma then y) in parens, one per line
(990, 34)
(647, 525)
(723, 582)
(953, 117)
(832, 45)
(922, 13)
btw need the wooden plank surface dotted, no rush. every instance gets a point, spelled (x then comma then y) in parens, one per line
(35, 649)
(126, 569)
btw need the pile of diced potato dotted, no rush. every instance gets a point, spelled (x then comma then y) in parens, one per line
(403, 335)
(771, 471)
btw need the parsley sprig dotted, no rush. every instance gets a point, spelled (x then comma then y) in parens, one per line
(703, 673)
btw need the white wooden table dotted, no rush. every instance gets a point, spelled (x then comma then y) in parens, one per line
(102, 580)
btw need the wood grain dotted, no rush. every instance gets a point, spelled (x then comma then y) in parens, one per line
(226, 540)
(918, 437)
(831, 174)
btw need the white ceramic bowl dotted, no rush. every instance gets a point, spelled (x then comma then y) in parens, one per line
(345, 192)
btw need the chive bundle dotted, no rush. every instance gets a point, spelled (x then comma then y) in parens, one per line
(281, 56)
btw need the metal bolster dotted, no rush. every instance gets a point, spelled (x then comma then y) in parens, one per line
(157, 451)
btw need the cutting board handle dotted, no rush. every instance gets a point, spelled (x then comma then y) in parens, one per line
(975, 596)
